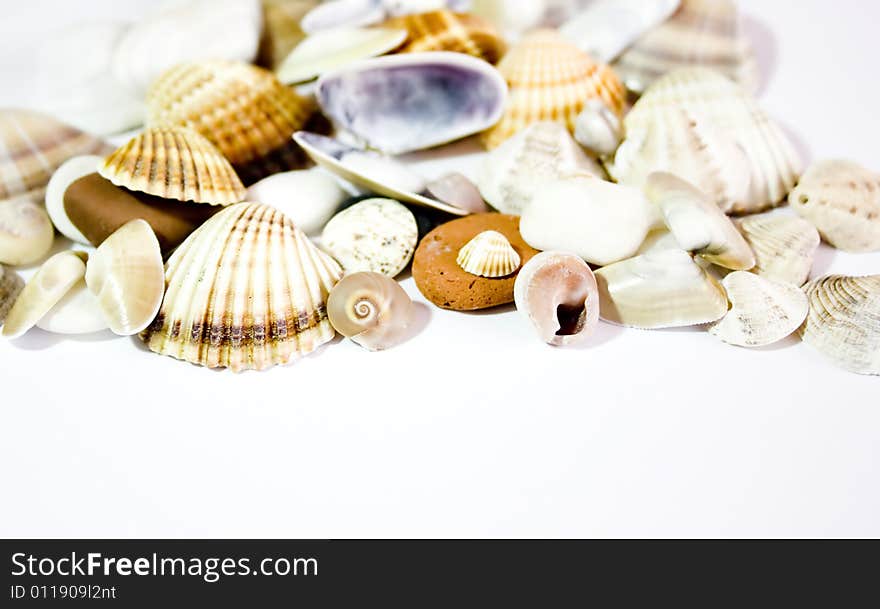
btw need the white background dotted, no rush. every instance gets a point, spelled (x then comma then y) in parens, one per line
(473, 427)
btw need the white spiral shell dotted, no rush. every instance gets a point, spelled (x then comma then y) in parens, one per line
(371, 309)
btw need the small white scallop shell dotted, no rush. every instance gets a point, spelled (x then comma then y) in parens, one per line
(26, 233)
(784, 245)
(371, 309)
(488, 254)
(11, 285)
(76, 313)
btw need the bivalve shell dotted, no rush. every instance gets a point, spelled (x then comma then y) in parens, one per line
(444, 30)
(76, 313)
(784, 246)
(489, 254)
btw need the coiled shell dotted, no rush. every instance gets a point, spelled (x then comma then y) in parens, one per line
(371, 309)
(489, 254)
(26, 233)
(444, 30)
(784, 246)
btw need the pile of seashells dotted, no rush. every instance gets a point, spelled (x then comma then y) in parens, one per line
(259, 209)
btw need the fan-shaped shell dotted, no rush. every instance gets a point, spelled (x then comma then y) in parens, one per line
(550, 79)
(444, 30)
(784, 246)
(488, 254)
(371, 309)
(174, 163)
(247, 290)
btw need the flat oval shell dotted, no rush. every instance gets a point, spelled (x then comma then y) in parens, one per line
(76, 313)
(308, 197)
(784, 246)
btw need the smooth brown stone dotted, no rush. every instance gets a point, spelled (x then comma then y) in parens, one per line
(97, 208)
(447, 285)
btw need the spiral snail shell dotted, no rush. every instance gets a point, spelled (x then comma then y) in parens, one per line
(371, 309)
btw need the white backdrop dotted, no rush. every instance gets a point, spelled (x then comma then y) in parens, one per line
(473, 427)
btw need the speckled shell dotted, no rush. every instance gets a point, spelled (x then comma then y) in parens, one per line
(447, 31)
(247, 290)
(550, 79)
(11, 285)
(488, 254)
(174, 164)
(784, 245)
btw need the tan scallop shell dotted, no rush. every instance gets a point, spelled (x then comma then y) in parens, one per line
(844, 321)
(842, 200)
(11, 285)
(488, 254)
(784, 246)
(247, 290)
(371, 309)
(174, 163)
(444, 30)
(550, 79)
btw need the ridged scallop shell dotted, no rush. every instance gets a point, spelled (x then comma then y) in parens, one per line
(550, 79)
(774, 163)
(247, 290)
(281, 29)
(242, 109)
(33, 146)
(488, 254)
(784, 246)
(371, 309)
(517, 170)
(11, 285)
(174, 163)
(762, 311)
(705, 33)
(844, 321)
(842, 200)
(447, 31)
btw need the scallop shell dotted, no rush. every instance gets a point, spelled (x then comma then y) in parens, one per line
(844, 321)
(762, 311)
(597, 128)
(401, 103)
(488, 254)
(377, 235)
(76, 313)
(664, 289)
(174, 163)
(444, 30)
(26, 233)
(708, 96)
(558, 294)
(371, 309)
(185, 32)
(33, 146)
(697, 223)
(518, 169)
(784, 246)
(10, 287)
(281, 29)
(550, 79)
(247, 290)
(705, 33)
(842, 200)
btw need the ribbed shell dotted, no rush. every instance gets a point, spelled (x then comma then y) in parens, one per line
(774, 164)
(844, 321)
(447, 31)
(174, 164)
(701, 33)
(33, 146)
(243, 110)
(247, 290)
(550, 79)
(489, 254)
(784, 246)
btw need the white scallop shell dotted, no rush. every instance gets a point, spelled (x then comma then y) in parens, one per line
(784, 246)
(488, 254)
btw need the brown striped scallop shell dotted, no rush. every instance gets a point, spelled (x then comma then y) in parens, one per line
(447, 31)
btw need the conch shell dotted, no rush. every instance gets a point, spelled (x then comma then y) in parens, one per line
(488, 254)
(371, 309)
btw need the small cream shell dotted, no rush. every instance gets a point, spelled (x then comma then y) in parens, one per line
(76, 313)
(597, 128)
(26, 233)
(784, 245)
(371, 309)
(11, 285)
(488, 254)
(70, 171)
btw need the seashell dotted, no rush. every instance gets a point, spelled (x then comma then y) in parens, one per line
(377, 235)
(784, 246)
(597, 128)
(550, 79)
(844, 321)
(69, 172)
(599, 221)
(247, 290)
(842, 200)
(703, 33)
(242, 109)
(331, 49)
(10, 287)
(358, 13)
(308, 197)
(457, 190)
(185, 32)
(76, 313)
(518, 169)
(762, 311)
(658, 240)
(413, 101)
(707, 96)
(375, 173)
(664, 289)
(48, 285)
(26, 233)
(444, 30)
(75, 80)
(682, 143)
(174, 163)
(281, 29)
(33, 146)
(512, 19)
(606, 27)
(557, 293)
(126, 275)
(371, 309)
(697, 223)
(488, 254)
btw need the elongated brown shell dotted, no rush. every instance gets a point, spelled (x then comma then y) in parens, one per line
(447, 31)
(174, 163)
